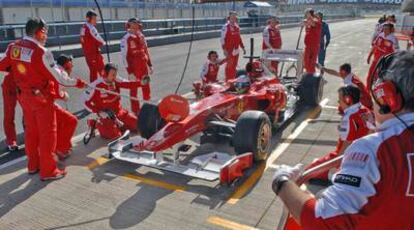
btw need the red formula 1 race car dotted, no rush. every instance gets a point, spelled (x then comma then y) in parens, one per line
(171, 130)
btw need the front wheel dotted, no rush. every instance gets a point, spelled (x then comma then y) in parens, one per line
(149, 120)
(253, 133)
(311, 89)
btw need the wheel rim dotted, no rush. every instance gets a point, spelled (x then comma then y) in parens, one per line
(264, 138)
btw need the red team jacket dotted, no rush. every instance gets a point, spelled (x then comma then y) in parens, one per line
(313, 34)
(96, 101)
(374, 188)
(231, 39)
(134, 51)
(91, 40)
(384, 45)
(210, 71)
(34, 69)
(271, 38)
(353, 80)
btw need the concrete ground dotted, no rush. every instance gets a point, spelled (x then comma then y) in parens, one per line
(102, 194)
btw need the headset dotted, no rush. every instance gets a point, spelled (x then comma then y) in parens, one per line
(347, 95)
(385, 92)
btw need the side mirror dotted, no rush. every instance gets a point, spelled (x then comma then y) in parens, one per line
(174, 108)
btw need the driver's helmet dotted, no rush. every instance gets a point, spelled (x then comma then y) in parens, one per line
(257, 69)
(242, 84)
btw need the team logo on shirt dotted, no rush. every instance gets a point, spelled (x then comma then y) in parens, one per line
(355, 160)
(346, 179)
(21, 53)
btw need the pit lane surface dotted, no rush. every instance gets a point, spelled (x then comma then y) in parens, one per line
(101, 194)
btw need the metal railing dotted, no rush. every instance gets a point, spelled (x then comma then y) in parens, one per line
(61, 34)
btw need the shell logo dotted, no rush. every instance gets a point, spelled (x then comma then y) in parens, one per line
(21, 68)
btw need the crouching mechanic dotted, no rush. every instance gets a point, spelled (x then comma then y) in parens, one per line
(374, 186)
(104, 99)
(357, 121)
(349, 78)
(211, 68)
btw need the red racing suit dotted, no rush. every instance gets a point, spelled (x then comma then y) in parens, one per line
(271, 41)
(230, 42)
(312, 43)
(374, 188)
(35, 74)
(98, 101)
(210, 71)
(382, 45)
(353, 80)
(136, 58)
(91, 42)
(9, 90)
(355, 123)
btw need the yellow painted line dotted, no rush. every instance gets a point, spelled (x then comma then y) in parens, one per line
(252, 180)
(228, 224)
(155, 183)
(97, 162)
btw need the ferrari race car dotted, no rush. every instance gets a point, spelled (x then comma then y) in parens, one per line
(170, 130)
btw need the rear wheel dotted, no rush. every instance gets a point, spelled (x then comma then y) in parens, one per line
(253, 133)
(149, 120)
(311, 89)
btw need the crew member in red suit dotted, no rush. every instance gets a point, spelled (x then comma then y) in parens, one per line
(211, 68)
(272, 41)
(357, 121)
(374, 187)
(313, 27)
(136, 58)
(91, 43)
(66, 121)
(113, 119)
(9, 90)
(349, 78)
(385, 43)
(231, 41)
(35, 73)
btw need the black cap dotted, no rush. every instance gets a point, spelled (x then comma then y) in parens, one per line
(63, 59)
(91, 13)
(34, 24)
(134, 20)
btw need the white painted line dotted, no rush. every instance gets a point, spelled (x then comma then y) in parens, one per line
(13, 162)
(283, 146)
(329, 107)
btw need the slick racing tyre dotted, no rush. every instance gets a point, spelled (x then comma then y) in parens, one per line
(253, 133)
(149, 120)
(311, 89)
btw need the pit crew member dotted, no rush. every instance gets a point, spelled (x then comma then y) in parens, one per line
(103, 99)
(9, 91)
(385, 43)
(136, 59)
(65, 120)
(356, 122)
(36, 74)
(231, 41)
(313, 27)
(211, 68)
(349, 78)
(272, 41)
(374, 185)
(325, 40)
(91, 44)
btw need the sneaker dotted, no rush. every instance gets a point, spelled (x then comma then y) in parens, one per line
(13, 148)
(59, 174)
(63, 155)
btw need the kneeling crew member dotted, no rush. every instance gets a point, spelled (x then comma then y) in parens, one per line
(113, 118)
(355, 123)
